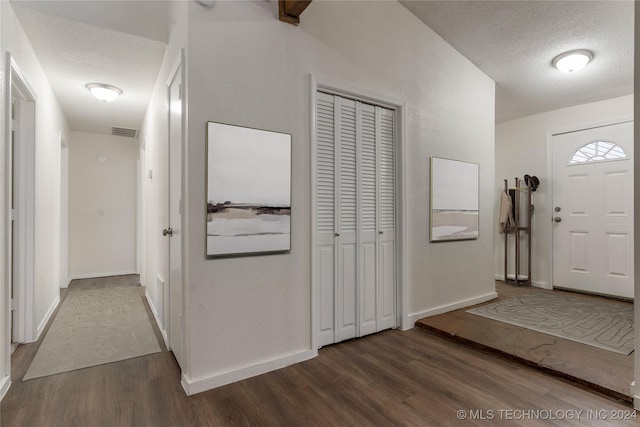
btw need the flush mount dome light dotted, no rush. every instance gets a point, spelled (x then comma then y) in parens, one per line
(104, 92)
(573, 60)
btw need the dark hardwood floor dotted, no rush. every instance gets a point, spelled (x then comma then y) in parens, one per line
(389, 379)
(605, 371)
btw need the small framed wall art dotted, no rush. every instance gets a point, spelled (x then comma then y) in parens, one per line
(248, 191)
(454, 200)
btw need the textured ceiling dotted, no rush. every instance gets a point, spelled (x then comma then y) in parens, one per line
(144, 18)
(73, 54)
(514, 43)
(122, 43)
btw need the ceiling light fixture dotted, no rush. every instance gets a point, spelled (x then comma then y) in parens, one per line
(573, 60)
(104, 92)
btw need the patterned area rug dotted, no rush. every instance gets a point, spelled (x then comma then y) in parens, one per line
(94, 327)
(600, 323)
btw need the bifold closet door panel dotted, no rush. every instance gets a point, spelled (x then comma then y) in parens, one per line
(367, 224)
(325, 218)
(386, 308)
(347, 219)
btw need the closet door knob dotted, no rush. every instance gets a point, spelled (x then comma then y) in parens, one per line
(337, 234)
(557, 219)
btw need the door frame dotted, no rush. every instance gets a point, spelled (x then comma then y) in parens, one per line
(19, 88)
(16, 85)
(64, 212)
(141, 224)
(549, 199)
(371, 97)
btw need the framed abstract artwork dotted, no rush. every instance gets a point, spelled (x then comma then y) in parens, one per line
(454, 200)
(248, 191)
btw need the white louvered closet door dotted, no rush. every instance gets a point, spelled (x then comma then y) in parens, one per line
(368, 225)
(355, 218)
(347, 191)
(386, 307)
(326, 201)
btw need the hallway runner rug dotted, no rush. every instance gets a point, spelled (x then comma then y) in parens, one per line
(601, 323)
(94, 327)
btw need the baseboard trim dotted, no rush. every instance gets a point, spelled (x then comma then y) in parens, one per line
(106, 274)
(65, 283)
(5, 383)
(47, 317)
(542, 285)
(154, 311)
(412, 318)
(633, 392)
(194, 386)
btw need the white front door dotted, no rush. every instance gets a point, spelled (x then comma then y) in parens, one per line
(176, 312)
(593, 210)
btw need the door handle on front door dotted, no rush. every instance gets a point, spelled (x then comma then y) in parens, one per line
(557, 219)
(167, 232)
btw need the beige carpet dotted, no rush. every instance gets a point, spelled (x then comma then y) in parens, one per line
(94, 327)
(597, 322)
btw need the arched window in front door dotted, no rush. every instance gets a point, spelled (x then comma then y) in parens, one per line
(598, 151)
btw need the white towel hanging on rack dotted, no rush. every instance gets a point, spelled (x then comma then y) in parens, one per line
(506, 212)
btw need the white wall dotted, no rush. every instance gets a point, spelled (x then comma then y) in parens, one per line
(521, 148)
(50, 124)
(153, 140)
(247, 68)
(102, 205)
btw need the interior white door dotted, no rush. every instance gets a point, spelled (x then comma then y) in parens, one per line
(593, 210)
(176, 304)
(23, 218)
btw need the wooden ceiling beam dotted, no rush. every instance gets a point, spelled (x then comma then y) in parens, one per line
(290, 10)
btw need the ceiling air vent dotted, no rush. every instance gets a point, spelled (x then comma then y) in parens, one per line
(118, 131)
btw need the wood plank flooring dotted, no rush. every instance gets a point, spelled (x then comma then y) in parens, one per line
(392, 378)
(602, 370)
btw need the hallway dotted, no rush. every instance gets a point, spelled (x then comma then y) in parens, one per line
(100, 326)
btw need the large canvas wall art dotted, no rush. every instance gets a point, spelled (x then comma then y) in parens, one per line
(248, 191)
(454, 200)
